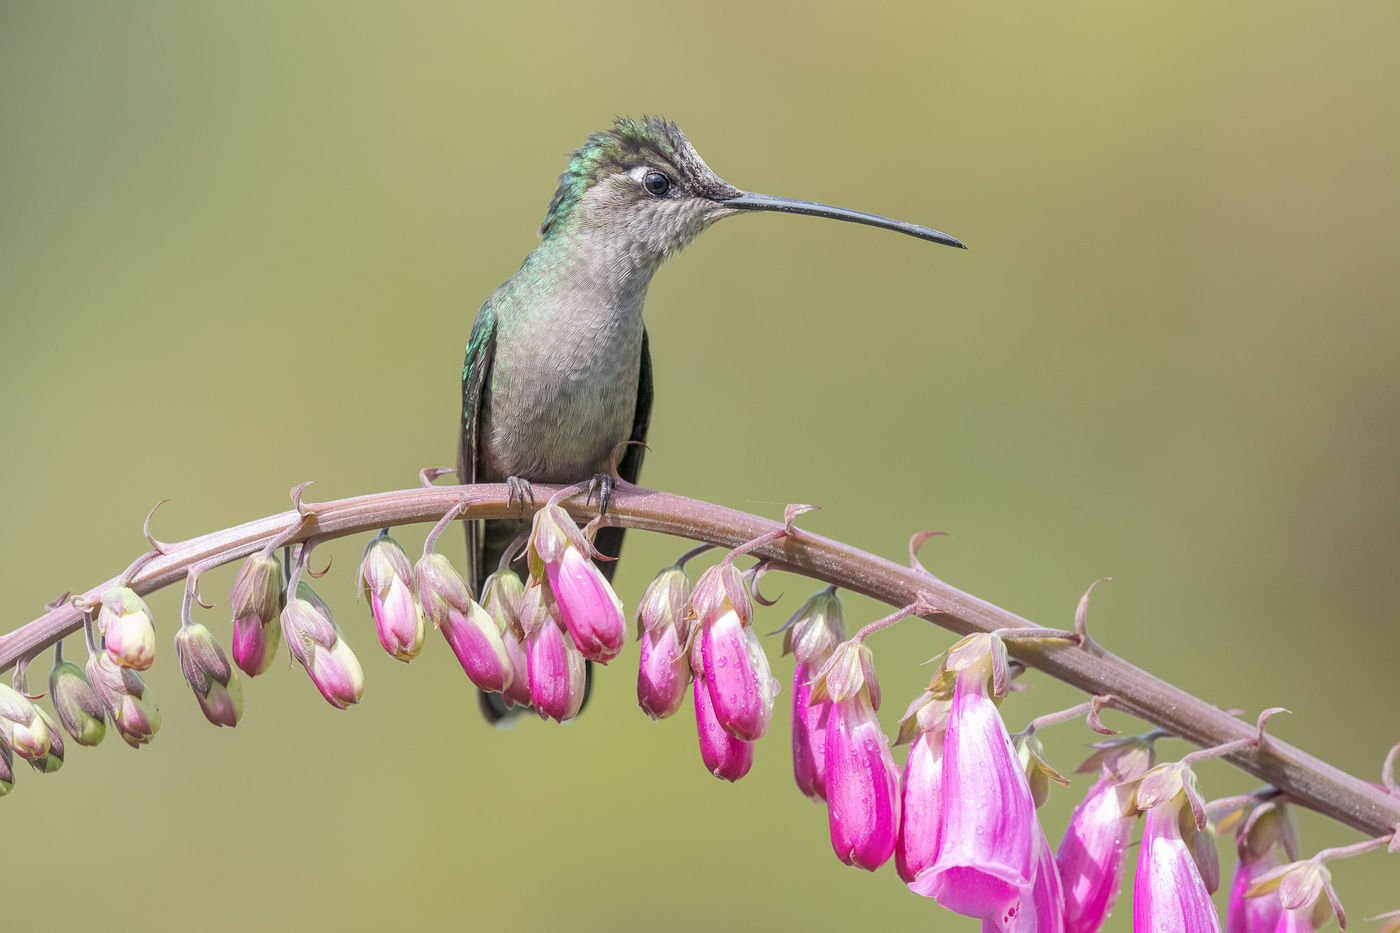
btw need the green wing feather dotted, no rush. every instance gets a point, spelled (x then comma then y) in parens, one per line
(476, 369)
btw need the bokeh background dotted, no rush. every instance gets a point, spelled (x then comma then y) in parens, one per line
(241, 246)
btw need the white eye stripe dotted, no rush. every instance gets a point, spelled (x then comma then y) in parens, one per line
(640, 172)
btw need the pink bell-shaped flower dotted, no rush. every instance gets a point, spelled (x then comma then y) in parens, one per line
(1266, 836)
(386, 577)
(1169, 890)
(862, 785)
(558, 675)
(917, 849)
(988, 830)
(741, 684)
(471, 632)
(812, 634)
(577, 591)
(663, 670)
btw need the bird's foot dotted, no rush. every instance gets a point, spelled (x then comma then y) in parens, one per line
(517, 488)
(602, 485)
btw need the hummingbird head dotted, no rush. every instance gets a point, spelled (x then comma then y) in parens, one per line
(642, 183)
(644, 187)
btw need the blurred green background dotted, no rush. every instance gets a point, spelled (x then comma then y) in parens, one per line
(241, 246)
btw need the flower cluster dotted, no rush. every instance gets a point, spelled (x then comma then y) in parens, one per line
(960, 818)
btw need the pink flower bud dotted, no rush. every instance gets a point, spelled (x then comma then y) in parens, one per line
(209, 675)
(812, 634)
(78, 706)
(54, 759)
(809, 722)
(387, 578)
(663, 671)
(724, 755)
(501, 596)
(1168, 892)
(129, 634)
(21, 726)
(1265, 837)
(257, 601)
(1094, 853)
(314, 640)
(558, 676)
(585, 601)
(923, 806)
(472, 633)
(742, 687)
(126, 697)
(987, 832)
(862, 785)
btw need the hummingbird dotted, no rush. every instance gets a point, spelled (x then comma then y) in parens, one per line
(558, 375)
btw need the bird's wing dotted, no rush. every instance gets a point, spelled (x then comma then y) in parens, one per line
(481, 349)
(609, 540)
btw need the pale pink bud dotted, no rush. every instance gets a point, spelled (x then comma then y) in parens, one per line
(387, 579)
(7, 770)
(210, 676)
(584, 599)
(21, 726)
(470, 630)
(1168, 892)
(126, 697)
(987, 832)
(314, 640)
(724, 755)
(54, 759)
(862, 785)
(129, 634)
(558, 674)
(257, 601)
(663, 671)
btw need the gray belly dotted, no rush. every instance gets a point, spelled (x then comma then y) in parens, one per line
(554, 415)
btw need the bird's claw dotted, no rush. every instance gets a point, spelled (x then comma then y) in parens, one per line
(517, 488)
(602, 484)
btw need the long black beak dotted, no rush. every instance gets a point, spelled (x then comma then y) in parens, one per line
(748, 201)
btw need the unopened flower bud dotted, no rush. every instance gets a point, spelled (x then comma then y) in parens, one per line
(78, 706)
(257, 601)
(387, 578)
(209, 675)
(128, 632)
(741, 684)
(7, 770)
(558, 672)
(126, 698)
(21, 726)
(724, 755)
(585, 601)
(54, 759)
(314, 640)
(501, 596)
(469, 629)
(811, 635)
(663, 672)
(862, 785)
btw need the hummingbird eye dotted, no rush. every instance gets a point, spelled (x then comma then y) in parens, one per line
(656, 183)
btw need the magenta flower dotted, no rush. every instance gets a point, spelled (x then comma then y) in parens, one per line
(314, 640)
(387, 579)
(558, 676)
(1169, 892)
(724, 755)
(742, 687)
(1093, 854)
(129, 634)
(471, 632)
(209, 674)
(987, 833)
(257, 601)
(501, 595)
(862, 784)
(1042, 909)
(917, 848)
(577, 590)
(663, 672)
(812, 634)
(1305, 895)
